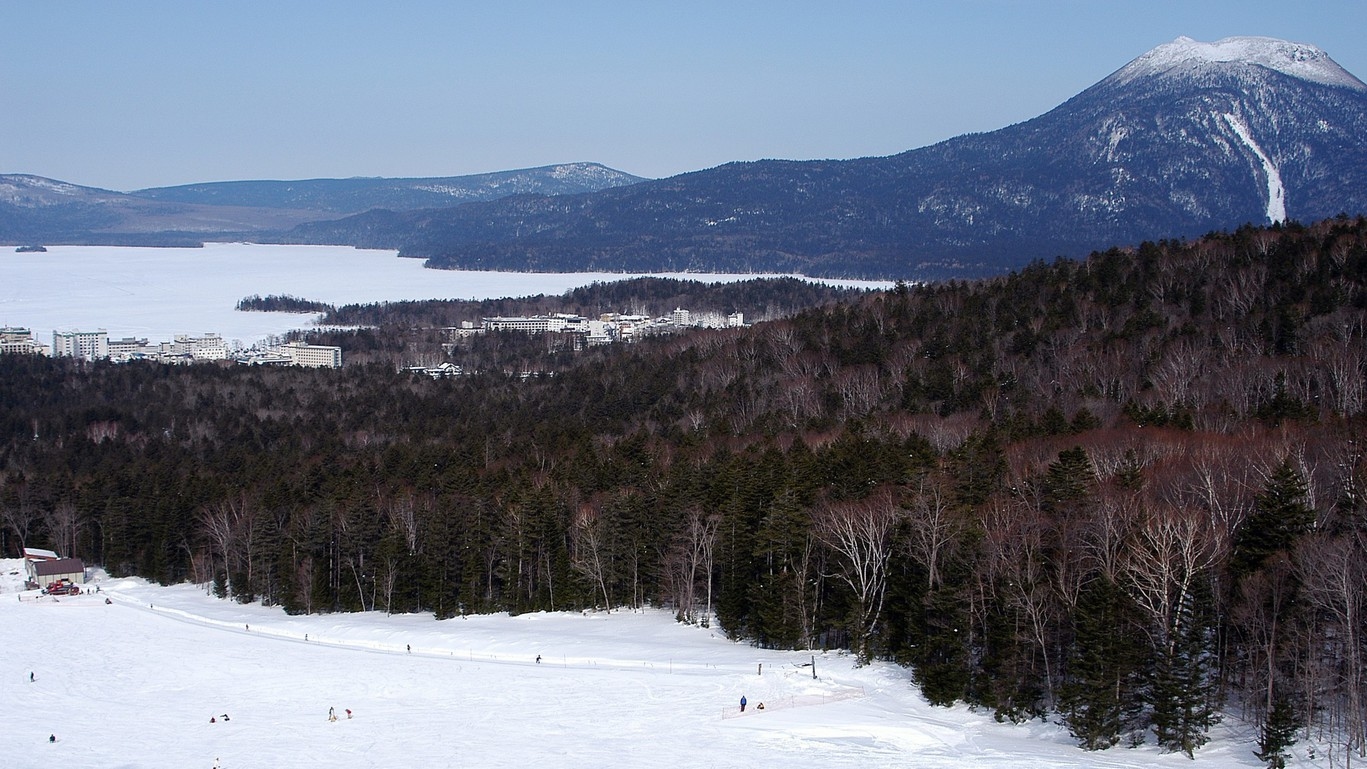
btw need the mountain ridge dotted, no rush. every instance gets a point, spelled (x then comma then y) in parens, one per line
(1129, 159)
(356, 194)
(37, 209)
(1185, 139)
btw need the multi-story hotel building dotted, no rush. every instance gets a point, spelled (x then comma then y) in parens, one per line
(90, 345)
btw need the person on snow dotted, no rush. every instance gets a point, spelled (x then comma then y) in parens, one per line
(213, 720)
(52, 738)
(332, 714)
(742, 703)
(348, 713)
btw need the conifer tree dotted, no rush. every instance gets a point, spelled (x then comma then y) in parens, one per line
(1278, 732)
(1184, 691)
(1102, 696)
(1281, 514)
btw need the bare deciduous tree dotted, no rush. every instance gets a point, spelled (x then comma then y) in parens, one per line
(1171, 548)
(860, 534)
(588, 548)
(64, 525)
(934, 526)
(1333, 572)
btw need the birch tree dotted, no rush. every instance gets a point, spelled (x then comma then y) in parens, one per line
(860, 535)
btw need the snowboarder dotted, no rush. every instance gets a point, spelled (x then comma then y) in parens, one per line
(52, 738)
(332, 714)
(742, 703)
(538, 659)
(213, 720)
(30, 677)
(348, 713)
(409, 647)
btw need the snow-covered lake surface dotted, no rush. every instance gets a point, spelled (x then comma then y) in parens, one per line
(134, 683)
(157, 293)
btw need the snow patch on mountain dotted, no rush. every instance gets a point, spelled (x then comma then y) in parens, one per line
(1187, 56)
(25, 189)
(1276, 193)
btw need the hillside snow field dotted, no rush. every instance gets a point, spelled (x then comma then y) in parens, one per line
(173, 677)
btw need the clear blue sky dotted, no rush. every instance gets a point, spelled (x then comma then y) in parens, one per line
(125, 95)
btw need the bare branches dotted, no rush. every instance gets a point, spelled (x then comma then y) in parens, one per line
(860, 534)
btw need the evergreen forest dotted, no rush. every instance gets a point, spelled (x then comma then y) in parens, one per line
(1127, 492)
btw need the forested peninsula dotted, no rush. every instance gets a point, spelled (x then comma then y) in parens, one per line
(1126, 491)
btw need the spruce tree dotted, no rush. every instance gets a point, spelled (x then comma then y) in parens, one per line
(1278, 732)
(1184, 691)
(1102, 695)
(1281, 514)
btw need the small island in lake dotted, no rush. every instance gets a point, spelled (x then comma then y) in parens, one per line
(33, 249)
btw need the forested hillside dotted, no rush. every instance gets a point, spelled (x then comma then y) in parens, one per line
(1128, 490)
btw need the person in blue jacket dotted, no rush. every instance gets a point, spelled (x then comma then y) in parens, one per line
(742, 703)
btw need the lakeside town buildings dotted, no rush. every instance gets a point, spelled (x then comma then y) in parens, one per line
(184, 348)
(608, 328)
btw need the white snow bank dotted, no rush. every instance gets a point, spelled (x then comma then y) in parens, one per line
(134, 682)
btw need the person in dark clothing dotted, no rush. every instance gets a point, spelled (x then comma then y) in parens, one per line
(742, 703)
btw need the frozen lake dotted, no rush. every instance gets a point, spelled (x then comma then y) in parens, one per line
(160, 292)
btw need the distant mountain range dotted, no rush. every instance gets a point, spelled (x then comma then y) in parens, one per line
(348, 196)
(1188, 138)
(35, 209)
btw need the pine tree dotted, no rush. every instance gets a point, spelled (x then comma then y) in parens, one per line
(1280, 516)
(941, 658)
(1184, 689)
(1278, 732)
(1102, 696)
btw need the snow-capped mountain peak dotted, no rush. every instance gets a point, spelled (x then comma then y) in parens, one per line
(1187, 56)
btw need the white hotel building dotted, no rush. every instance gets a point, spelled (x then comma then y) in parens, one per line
(312, 355)
(90, 345)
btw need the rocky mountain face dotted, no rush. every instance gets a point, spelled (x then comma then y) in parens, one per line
(1188, 138)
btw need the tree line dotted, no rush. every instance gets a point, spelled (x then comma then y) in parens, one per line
(1126, 492)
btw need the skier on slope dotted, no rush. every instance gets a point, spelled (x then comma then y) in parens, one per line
(742, 703)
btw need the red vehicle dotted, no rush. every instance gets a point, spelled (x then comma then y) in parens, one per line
(63, 587)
